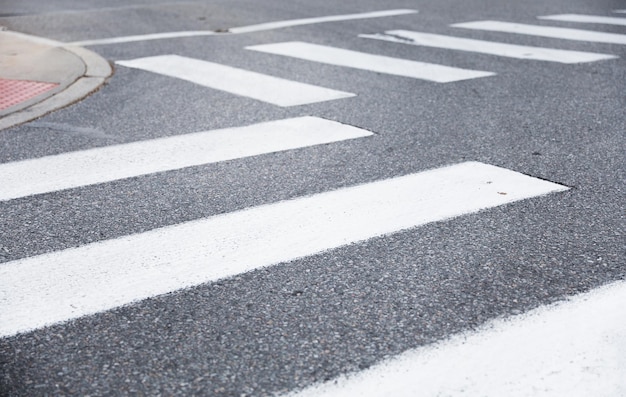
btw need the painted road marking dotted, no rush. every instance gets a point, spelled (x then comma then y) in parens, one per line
(545, 31)
(246, 29)
(88, 167)
(241, 82)
(370, 62)
(487, 47)
(576, 348)
(586, 19)
(63, 285)
(309, 21)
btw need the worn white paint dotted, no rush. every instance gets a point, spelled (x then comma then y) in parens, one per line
(586, 19)
(369, 62)
(245, 29)
(545, 31)
(575, 349)
(59, 286)
(487, 47)
(88, 167)
(262, 87)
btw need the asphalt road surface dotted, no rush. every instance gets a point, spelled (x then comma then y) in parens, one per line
(425, 184)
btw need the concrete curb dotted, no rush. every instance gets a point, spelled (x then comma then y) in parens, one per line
(93, 71)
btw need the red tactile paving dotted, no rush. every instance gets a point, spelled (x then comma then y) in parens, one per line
(13, 92)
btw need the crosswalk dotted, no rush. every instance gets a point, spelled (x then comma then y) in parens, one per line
(54, 173)
(545, 31)
(487, 47)
(258, 86)
(108, 274)
(370, 62)
(585, 19)
(559, 350)
(280, 92)
(112, 273)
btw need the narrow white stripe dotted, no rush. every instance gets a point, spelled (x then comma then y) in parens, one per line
(309, 21)
(246, 29)
(575, 349)
(487, 47)
(586, 19)
(545, 31)
(144, 37)
(55, 287)
(254, 85)
(104, 9)
(620, 11)
(69, 170)
(370, 62)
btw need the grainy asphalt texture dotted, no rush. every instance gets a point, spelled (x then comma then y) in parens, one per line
(290, 325)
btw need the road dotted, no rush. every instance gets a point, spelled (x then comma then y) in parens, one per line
(200, 236)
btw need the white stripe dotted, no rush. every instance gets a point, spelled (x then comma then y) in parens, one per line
(487, 47)
(145, 37)
(70, 170)
(620, 11)
(575, 349)
(103, 9)
(246, 29)
(370, 62)
(249, 84)
(545, 31)
(309, 21)
(586, 19)
(59, 286)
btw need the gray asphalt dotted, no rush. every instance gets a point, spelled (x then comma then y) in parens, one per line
(288, 326)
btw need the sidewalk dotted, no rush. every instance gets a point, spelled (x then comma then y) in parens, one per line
(38, 76)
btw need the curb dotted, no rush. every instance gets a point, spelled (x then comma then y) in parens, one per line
(96, 72)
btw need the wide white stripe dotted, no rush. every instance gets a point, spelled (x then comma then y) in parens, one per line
(246, 29)
(254, 85)
(586, 19)
(55, 287)
(487, 47)
(370, 62)
(575, 349)
(69, 170)
(545, 31)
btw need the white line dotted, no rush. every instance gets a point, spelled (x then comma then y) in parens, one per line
(575, 349)
(545, 31)
(309, 21)
(103, 9)
(586, 19)
(620, 11)
(370, 62)
(145, 37)
(488, 47)
(246, 29)
(249, 84)
(87, 167)
(63, 285)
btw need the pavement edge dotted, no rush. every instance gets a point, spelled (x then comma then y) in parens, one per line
(96, 73)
